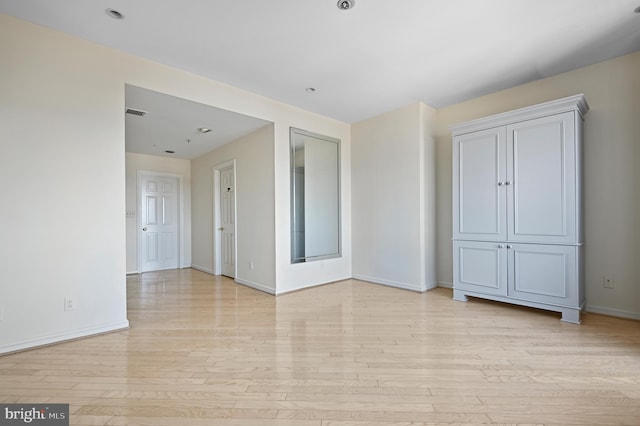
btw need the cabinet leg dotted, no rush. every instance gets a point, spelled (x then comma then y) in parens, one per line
(459, 296)
(571, 315)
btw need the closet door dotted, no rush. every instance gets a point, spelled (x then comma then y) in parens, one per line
(479, 194)
(541, 180)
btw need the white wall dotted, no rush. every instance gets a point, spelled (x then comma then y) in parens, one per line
(428, 216)
(263, 197)
(290, 277)
(62, 221)
(62, 130)
(611, 168)
(393, 198)
(150, 163)
(254, 191)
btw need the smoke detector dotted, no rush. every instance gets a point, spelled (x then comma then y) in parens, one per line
(346, 4)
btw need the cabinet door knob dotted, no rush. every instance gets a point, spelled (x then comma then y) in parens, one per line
(500, 245)
(508, 182)
(500, 183)
(509, 246)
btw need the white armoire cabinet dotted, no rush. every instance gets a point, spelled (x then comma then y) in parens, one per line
(517, 207)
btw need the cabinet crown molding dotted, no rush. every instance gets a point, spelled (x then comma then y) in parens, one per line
(571, 103)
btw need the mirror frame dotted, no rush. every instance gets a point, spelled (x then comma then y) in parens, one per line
(293, 132)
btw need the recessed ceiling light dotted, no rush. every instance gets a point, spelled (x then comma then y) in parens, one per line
(114, 14)
(346, 4)
(310, 89)
(204, 130)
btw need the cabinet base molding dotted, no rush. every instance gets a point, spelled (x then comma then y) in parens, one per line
(570, 315)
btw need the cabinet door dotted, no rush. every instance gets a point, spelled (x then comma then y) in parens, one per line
(543, 273)
(541, 190)
(480, 266)
(479, 172)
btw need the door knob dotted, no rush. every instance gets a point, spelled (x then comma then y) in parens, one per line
(500, 183)
(221, 229)
(144, 229)
(500, 245)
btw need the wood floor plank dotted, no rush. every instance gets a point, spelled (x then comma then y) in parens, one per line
(385, 416)
(182, 421)
(375, 423)
(351, 406)
(203, 350)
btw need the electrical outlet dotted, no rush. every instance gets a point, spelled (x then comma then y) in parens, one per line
(607, 282)
(251, 265)
(69, 304)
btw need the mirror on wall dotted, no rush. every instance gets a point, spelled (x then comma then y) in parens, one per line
(315, 196)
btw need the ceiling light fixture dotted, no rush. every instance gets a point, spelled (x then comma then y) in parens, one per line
(112, 13)
(310, 90)
(346, 4)
(204, 130)
(170, 152)
(637, 9)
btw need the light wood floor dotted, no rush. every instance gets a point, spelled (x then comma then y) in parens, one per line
(204, 351)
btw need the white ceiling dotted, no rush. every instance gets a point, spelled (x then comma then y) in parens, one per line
(376, 57)
(172, 125)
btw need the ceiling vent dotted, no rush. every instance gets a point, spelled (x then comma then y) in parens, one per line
(137, 112)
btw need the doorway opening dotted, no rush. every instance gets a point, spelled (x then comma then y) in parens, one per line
(166, 139)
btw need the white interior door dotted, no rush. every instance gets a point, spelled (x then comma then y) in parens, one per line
(227, 222)
(158, 233)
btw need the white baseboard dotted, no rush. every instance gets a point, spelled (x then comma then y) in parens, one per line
(431, 285)
(612, 312)
(181, 267)
(62, 337)
(445, 284)
(202, 269)
(396, 284)
(256, 286)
